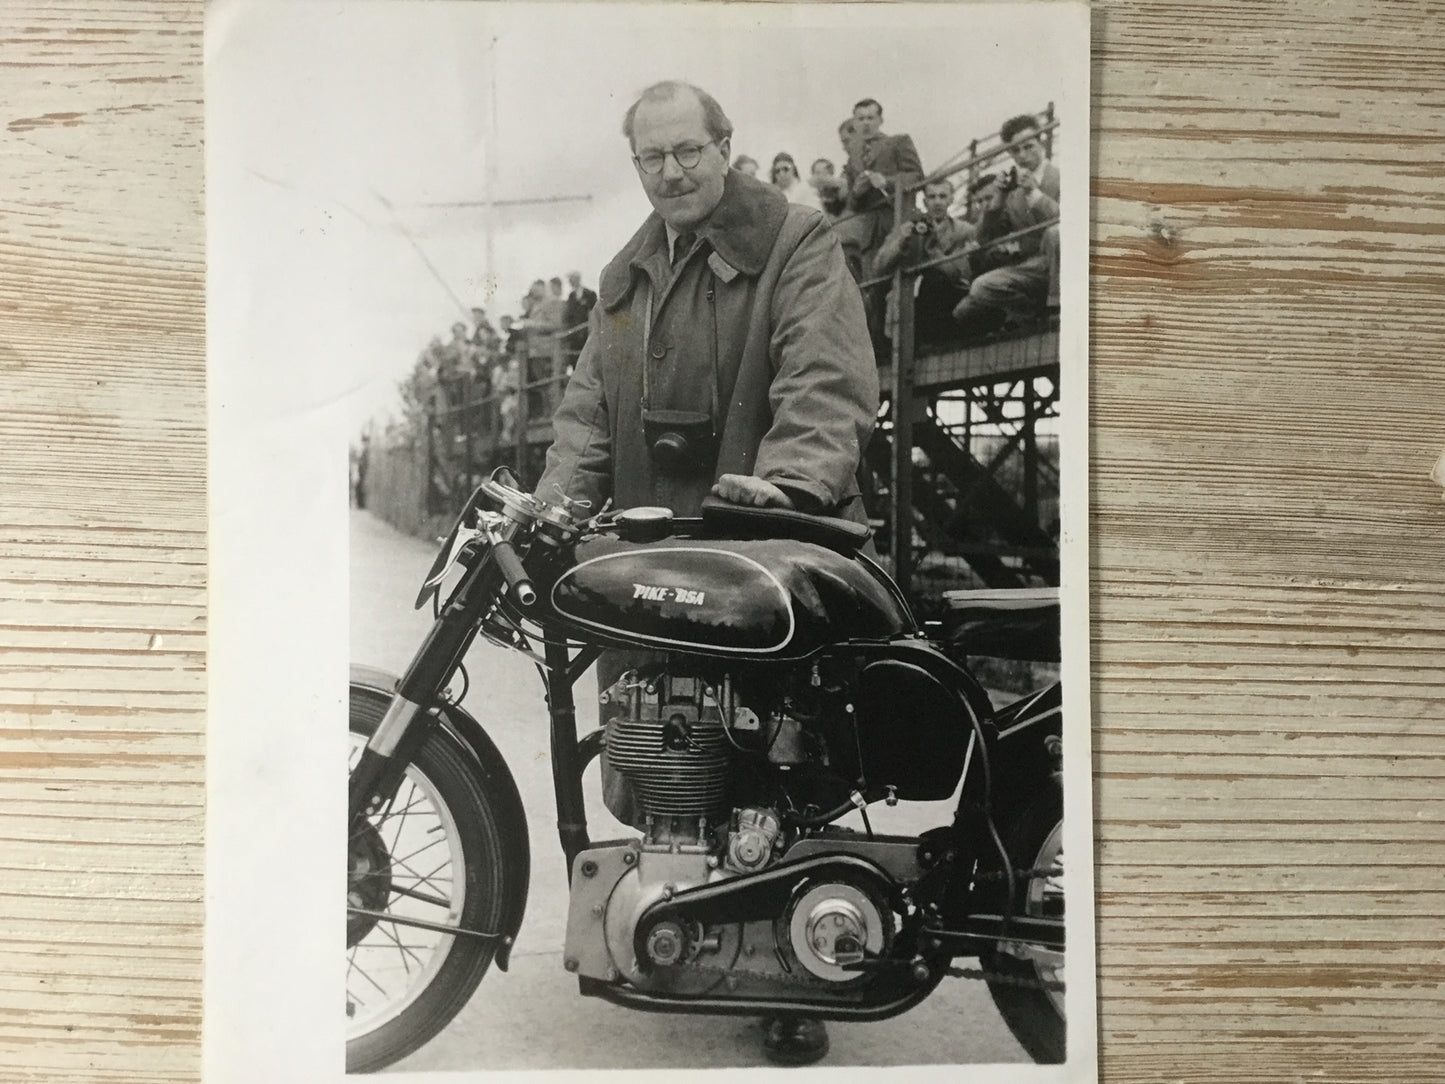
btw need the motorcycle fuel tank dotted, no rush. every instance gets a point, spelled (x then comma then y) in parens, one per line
(761, 599)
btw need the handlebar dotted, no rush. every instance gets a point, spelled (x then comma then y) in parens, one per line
(519, 584)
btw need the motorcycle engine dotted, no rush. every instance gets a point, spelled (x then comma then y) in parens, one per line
(665, 736)
(709, 758)
(680, 740)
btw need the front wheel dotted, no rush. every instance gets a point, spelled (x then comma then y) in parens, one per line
(432, 854)
(1033, 1013)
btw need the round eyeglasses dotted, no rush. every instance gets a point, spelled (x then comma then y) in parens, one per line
(687, 155)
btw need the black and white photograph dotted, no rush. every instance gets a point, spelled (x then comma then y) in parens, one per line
(671, 422)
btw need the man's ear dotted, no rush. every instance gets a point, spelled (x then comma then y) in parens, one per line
(725, 148)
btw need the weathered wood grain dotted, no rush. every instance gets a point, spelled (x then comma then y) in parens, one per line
(102, 542)
(1269, 554)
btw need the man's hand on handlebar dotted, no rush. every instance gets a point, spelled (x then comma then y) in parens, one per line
(749, 490)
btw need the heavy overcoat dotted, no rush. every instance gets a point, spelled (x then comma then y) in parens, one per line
(760, 328)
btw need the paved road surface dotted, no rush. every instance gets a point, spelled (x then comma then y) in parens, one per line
(532, 1017)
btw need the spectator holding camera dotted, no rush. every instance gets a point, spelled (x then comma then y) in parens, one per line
(1014, 277)
(926, 237)
(1036, 174)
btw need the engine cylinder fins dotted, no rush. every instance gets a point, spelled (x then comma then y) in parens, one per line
(677, 767)
(834, 924)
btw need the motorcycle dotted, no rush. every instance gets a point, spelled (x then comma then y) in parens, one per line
(775, 682)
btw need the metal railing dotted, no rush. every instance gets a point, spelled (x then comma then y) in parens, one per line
(902, 385)
(469, 439)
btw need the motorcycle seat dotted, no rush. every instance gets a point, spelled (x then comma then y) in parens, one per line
(745, 521)
(1004, 623)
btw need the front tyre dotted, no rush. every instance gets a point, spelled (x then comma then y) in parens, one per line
(432, 854)
(1034, 1015)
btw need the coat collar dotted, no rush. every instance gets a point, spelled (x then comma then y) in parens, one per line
(742, 230)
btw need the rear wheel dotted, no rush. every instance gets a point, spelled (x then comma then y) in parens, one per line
(432, 854)
(1034, 1015)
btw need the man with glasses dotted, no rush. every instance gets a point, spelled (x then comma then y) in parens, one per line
(727, 355)
(750, 328)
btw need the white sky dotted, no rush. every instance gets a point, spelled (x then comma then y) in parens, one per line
(319, 115)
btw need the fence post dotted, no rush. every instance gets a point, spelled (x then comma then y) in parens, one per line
(429, 502)
(972, 176)
(900, 482)
(1049, 132)
(1031, 450)
(520, 416)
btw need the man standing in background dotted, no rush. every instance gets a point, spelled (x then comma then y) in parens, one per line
(580, 301)
(878, 165)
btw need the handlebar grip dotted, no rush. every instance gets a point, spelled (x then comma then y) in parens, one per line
(519, 584)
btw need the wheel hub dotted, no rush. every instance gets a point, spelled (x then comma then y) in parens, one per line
(368, 880)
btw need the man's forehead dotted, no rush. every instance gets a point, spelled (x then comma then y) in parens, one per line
(676, 117)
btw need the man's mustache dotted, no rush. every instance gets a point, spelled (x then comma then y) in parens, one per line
(675, 190)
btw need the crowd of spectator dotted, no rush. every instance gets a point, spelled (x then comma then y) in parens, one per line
(990, 246)
(990, 256)
(985, 250)
(479, 363)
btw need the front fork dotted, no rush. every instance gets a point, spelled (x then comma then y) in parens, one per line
(379, 769)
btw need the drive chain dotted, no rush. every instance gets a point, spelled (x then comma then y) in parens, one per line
(1023, 874)
(1002, 980)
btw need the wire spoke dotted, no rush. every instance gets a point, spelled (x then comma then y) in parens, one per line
(362, 972)
(402, 860)
(402, 949)
(410, 805)
(428, 879)
(436, 901)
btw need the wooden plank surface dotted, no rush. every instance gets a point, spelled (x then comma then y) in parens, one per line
(1269, 554)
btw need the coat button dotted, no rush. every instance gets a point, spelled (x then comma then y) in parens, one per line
(659, 350)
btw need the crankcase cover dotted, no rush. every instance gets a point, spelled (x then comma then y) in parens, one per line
(777, 599)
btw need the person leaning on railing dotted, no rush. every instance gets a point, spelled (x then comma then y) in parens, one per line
(1015, 272)
(929, 239)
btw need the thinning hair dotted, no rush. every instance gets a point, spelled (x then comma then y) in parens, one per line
(713, 118)
(1010, 128)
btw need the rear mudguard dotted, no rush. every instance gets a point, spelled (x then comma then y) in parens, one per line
(497, 779)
